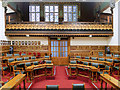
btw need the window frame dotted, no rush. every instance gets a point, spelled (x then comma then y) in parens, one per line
(34, 12)
(71, 12)
(51, 12)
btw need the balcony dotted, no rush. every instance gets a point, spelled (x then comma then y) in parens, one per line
(79, 29)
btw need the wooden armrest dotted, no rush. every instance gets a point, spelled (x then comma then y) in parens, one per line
(116, 64)
(106, 71)
(16, 70)
(20, 68)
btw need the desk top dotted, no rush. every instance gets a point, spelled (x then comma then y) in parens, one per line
(14, 82)
(40, 65)
(86, 66)
(111, 80)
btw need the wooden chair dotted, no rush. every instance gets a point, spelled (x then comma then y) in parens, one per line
(78, 86)
(3, 68)
(17, 70)
(105, 70)
(116, 67)
(48, 68)
(33, 58)
(52, 87)
(73, 69)
(93, 58)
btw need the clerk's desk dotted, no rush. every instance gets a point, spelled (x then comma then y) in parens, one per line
(13, 83)
(110, 80)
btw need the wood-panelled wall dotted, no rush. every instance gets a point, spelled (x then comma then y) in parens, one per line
(92, 51)
(43, 49)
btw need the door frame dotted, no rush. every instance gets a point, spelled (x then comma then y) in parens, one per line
(49, 45)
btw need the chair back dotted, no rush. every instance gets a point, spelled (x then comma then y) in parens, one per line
(109, 60)
(101, 59)
(93, 58)
(48, 61)
(11, 60)
(85, 63)
(19, 59)
(78, 56)
(15, 67)
(87, 58)
(28, 64)
(116, 55)
(26, 58)
(73, 62)
(46, 56)
(23, 54)
(78, 87)
(52, 87)
(108, 55)
(95, 64)
(16, 55)
(9, 55)
(107, 67)
(35, 63)
(33, 57)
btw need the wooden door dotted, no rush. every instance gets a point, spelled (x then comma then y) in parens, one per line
(59, 51)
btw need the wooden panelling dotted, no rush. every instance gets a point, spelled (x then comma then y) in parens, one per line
(86, 50)
(92, 51)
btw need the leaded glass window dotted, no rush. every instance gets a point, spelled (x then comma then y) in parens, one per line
(70, 13)
(51, 13)
(34, 13)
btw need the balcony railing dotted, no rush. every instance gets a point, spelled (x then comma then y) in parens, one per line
(55, 28)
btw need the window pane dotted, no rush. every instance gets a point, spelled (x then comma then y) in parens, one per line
(65, 43)
(66, 54)
(69, 8)
(33, 8)
(57, 43)
(65, 16)
(56, 17)
(37, 8)
(74, 8)
(51, 8)
(51, 48)
(65, 48)
(56, 8)
(54, 43)
(37, 17)
(52, 54)
(51, 43)
(33, 17)
(57, 48)
(57, 54)
(51, 17)
(60, 49)
(74, 17)
(30, 8)
(65, 8)
(46, 8)
(30, 17)
(47, 17)
(70, 16)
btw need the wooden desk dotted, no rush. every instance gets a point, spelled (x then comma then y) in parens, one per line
(91, 68)
(13, 83)
(110, 80)
(31, 68)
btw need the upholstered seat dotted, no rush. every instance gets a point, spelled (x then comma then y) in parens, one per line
(33, 57)
(19, 59)
(78, 87)
(9, 55)
(86, 57)
(93, 58)
(26, 58)
(28, 64)
(101, 59)
(85, 63)
(78, 56)
(95, 64)
(16, 55)
(52, 87)
(109, 60)
(10, 60)
(46, 56)
(23, 54)
(35, 63)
